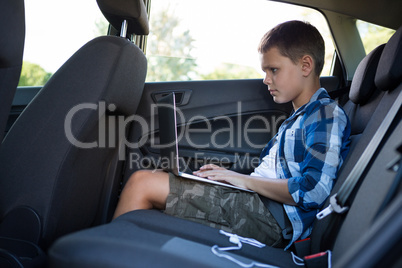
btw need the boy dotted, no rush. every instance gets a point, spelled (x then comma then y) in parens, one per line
(298, 167)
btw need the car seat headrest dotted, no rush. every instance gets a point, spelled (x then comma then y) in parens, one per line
(133, 11)
(363, 86)
(389, 71)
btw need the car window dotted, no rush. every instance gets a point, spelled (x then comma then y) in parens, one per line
(56, 29)
(202, 40)
(373, 35)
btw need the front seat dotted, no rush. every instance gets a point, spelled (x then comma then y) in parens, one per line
(12, 30)
(58, 160)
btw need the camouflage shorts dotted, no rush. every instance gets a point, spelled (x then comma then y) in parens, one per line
(224, 208)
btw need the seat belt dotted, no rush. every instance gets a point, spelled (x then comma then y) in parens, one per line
(338, 201)
(278, 212)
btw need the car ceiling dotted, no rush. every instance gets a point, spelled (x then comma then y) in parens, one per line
(386, 13)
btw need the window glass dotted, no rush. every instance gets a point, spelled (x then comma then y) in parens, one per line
(197, 40)
(373, 35)
(56, 29)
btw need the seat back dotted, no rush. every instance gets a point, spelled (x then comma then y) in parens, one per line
(364, 96)
(12, 30)
(360, 229)
(59, 157)
(366, 117)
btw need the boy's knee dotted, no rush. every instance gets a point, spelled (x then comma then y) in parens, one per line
(144, 180)
(138, 178)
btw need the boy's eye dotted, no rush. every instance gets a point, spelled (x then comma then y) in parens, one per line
(273, 70)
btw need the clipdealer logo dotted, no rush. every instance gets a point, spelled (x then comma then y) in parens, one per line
(112, 128)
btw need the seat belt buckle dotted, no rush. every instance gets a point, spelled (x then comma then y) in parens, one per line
(325, 212)
(319, 260)
(333, 207)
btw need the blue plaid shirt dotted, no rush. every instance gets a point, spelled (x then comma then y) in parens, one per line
(313, 142)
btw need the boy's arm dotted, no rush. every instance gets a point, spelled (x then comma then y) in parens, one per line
(274, 189)
(324, 131)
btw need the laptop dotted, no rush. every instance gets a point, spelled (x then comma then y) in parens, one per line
(166, 106)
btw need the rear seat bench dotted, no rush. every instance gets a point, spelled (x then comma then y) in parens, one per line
(145, 238)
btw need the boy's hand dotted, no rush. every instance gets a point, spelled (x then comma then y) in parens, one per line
(217, 173)
(272, 188)
(209, 167)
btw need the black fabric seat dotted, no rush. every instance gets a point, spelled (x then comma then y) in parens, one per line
(364, 95)
(12, 30)
(377, 184)
(364, 98)
(366, 117)
(122, 241)
(59, 161)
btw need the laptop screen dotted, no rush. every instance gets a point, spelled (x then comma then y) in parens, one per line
(168, 133)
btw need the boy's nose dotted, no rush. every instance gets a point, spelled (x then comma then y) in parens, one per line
(267, 80)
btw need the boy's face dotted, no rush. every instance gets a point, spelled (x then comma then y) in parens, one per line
(283, 78)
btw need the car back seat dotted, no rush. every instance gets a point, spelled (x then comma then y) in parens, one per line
(367, 208)
(140, 237)
(377, 184)
(382, 97)
(364, 98)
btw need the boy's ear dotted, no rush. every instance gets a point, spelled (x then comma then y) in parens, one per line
(307, 65)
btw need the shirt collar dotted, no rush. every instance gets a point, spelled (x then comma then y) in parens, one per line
(321, 93)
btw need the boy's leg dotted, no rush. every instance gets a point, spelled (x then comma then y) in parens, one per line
(145, 189)
(223, 208)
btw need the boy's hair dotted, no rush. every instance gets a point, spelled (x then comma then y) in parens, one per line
(294, 39)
